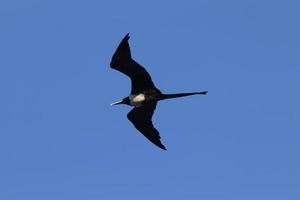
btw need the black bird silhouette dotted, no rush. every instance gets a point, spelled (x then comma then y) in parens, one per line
(144, 95)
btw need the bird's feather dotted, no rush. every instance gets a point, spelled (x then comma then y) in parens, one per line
(122, 61)
(141, 119)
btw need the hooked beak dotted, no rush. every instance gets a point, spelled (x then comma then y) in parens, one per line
(116, 103)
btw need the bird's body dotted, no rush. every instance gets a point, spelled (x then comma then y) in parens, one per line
(144, 95)
(137, 100)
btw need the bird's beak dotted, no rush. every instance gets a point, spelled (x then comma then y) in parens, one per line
(116, 103)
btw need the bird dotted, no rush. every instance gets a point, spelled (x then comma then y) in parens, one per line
(144, 94)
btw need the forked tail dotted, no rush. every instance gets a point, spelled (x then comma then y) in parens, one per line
(171, 96)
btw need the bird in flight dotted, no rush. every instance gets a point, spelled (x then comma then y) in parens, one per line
(144, 95)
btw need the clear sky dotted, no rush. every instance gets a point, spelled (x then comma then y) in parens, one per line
(60, 139)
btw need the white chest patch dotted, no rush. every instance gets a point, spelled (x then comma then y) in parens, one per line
(137, 100)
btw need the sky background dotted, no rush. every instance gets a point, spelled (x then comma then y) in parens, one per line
(60, 139)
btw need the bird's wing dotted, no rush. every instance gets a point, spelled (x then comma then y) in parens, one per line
(122, 61)
(141, 119)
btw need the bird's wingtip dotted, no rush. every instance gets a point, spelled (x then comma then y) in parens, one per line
(162, 147)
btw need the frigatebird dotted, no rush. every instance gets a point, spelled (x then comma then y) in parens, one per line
(144, 95)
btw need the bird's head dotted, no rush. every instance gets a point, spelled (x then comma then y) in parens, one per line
(123, 101)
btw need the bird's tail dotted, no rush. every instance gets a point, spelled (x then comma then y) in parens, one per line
(171, 96)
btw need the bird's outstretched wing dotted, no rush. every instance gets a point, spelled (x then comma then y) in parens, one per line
(141, 119)
(122, 61)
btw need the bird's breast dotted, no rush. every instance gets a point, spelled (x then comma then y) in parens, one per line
(137, 100)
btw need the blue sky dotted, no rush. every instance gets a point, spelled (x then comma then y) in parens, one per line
(60, 139)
